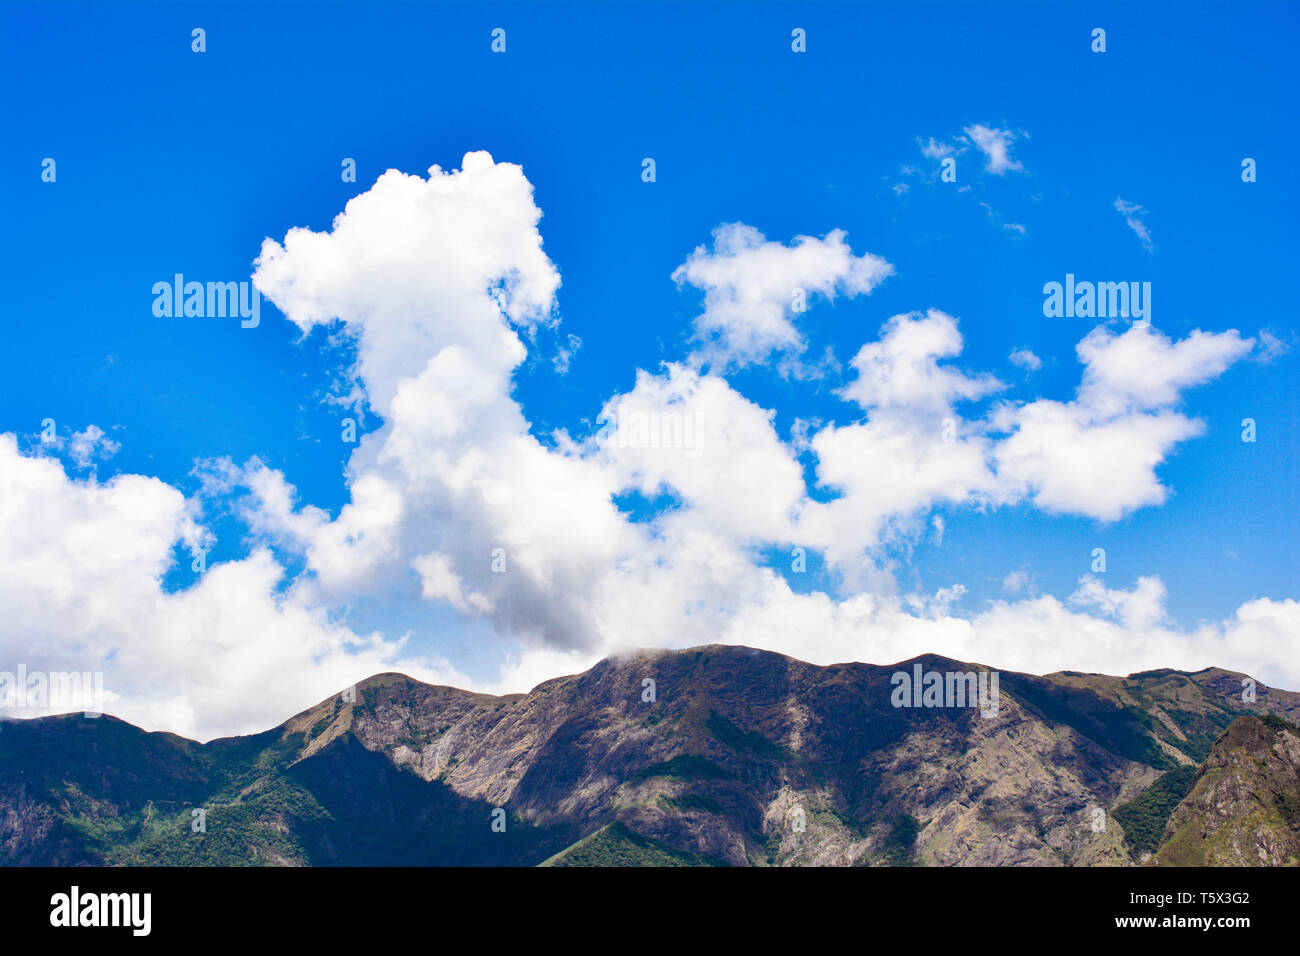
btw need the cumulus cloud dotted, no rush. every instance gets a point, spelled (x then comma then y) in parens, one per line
(754, 288)
(1093, 630)
(81, 568)
(1097, 455)
(414, 265)
(649, 531)
(1143, 369)
(902, 368)
(1069, 463)
(717, 452)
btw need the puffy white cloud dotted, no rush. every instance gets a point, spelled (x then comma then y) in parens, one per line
(455, 502)
(1097, 455)
(887, 470)
(414, 265)
(76, 542)
(717, 451)
(438, 582)
(81, 568)
(753, 288)
(433, 276)
(1096, 630)
(1143, 369)
(458, 454)
(912, 450)
(902, 368)
(1067, 461)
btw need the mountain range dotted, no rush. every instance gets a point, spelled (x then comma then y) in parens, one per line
(716, 755)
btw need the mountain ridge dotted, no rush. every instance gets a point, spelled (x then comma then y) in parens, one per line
(732, 755)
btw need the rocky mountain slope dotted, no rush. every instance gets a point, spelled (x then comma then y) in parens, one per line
(1243, 805)
(708, 756)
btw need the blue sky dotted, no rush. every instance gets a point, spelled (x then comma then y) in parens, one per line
(171, 161)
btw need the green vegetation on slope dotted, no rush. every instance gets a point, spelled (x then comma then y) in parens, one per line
(616, 845)
(1125, 731)
(1145, 816)
(339, 784)
(898, 848)
(743, 741)
(687, 767)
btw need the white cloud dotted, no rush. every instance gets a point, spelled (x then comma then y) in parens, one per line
(1095, 630)
(995, 144)
(933, 149)
(902, 368)
(436, 279)
(438, 582)
(84, 448)
(91, 443)
(753, 287)
(1026, 359)
(1270, 347)
(1066, 462)
(1143, 369)
(406, 265)
(938, 525)
(564, 355)
(81, 565)
(1134, 217)
(1097, 455)
(888, 471)
(718, 452)
(1015, 581)
(457, 453)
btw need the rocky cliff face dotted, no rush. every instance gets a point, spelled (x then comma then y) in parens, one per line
(713, 755)
(1243, 808)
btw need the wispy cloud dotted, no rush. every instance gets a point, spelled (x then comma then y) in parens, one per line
(993, 143)
(1134, 216)
(933, 149)
(1270, 347)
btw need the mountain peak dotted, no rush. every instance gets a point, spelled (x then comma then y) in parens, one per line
(709, 754)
